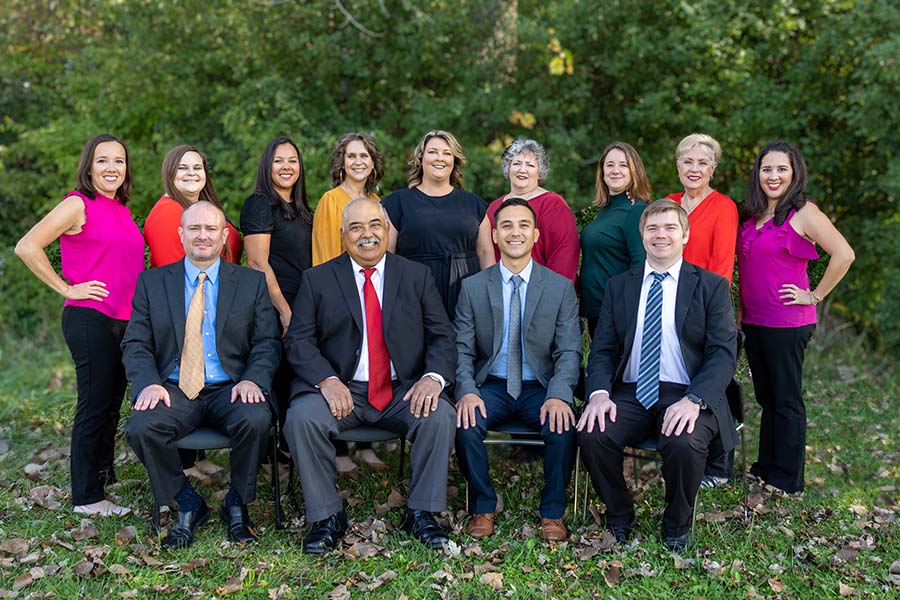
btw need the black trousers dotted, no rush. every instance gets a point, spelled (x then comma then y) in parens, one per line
(776, 356)
(684, 456)
(152, 433)
(94, 341)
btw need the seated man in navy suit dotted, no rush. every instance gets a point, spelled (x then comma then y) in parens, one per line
(371, 343)
(201, 347)
(662, 355)
(519, 345)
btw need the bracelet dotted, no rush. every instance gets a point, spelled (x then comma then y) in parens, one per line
(815, 298)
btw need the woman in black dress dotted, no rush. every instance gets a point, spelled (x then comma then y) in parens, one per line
(436, 222)
(277, 226)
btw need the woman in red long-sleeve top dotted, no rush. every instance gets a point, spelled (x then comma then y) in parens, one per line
(526, 165)
(713, 216)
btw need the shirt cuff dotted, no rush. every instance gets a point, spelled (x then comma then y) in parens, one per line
(437, 377)
(595, 392)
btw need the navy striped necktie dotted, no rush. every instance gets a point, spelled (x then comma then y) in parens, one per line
(651, 345)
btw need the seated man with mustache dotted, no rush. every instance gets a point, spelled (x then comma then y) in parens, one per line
(371, 344)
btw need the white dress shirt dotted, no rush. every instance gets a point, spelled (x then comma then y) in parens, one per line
(500, 368)
(671, 360)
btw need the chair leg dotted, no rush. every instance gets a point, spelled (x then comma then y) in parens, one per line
(402, 456)
(577, 469)
(276, 478)
(744, 476)
(155, 519)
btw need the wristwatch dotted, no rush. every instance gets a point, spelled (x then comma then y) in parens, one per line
(697, 400)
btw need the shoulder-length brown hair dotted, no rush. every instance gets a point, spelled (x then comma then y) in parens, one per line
(640, 186)
(83, 181)
(337, 160)
(170, 168)
(459, 159)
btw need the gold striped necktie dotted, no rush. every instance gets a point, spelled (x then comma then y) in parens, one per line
(190, 378)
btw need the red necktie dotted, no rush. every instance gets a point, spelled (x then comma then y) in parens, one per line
(380, 391)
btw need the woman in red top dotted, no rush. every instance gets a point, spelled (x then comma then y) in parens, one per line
(526, 166)
(186, 179)
(713, 216)
(714, 219)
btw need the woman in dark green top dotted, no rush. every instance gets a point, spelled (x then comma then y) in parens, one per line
(611, 243)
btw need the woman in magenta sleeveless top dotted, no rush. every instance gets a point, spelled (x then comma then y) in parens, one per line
(777, 238)
(102, 253)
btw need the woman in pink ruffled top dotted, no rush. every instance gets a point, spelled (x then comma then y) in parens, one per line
(777, 312)
(102, 253)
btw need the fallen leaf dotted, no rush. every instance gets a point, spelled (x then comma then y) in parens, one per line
(776, 585)
(126, 535)
(846, 590)
(46, 496)
(14, 546)
(22, 581)
(339, 593)
(492, 579)
(33, 471)
(282, 591)
(611, 576)
(195, 563)
(585, 553)
(119, 570)
(4, 447)
(473, 550)
(30, 558)
(361, 550)
(8, 594)
(83, 568)
(395, 499)
(381, 580)
(232, 585)
(844, 555)
(682, 563)
(85, 532)
(895, 568)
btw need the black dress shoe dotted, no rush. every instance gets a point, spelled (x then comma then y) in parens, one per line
(181, 533)
(678, 543)
(421, 524)
(240, 529)
(325, 535)
(621, 532)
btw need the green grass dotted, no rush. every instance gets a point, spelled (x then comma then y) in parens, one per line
(843, 531)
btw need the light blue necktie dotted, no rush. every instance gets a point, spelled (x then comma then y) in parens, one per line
(651, 345)
(514, 342)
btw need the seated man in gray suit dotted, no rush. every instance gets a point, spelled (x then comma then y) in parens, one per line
(201, 346)
(371, 343)
(519, 347)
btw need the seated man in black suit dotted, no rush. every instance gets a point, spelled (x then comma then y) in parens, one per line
(370, 342)
(201, 346)
(662, 355)
(519, 348)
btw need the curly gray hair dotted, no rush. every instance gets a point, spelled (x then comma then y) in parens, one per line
(532, 147)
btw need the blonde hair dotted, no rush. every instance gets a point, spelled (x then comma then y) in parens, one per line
(459, 159)
(699, 139)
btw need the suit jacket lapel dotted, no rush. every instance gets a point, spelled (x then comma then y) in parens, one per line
(389, 290)
(495, 297)
(346, 279)
(632, 290)
(227, 290)
(175, 292)
(535, 289)
(687, 281)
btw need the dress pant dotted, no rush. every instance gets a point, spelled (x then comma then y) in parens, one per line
(94, 341)
(310, 427)
(559, 452)
(775, 356)
(152, 435)
(683, 456)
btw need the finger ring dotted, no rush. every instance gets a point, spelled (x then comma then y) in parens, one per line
(429, 396)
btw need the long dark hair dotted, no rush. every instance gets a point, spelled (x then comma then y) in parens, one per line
(83, 181)
(794, 196)
(170, 168)
(299, 205)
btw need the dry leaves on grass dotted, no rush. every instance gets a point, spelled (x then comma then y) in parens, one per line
(492, 579)
(339, 593)
(45, 496)
(233, 584)
(14, 546)
(85, 532)
(846, 590)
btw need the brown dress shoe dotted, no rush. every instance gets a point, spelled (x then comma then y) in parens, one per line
(482, 525)
(553, 530)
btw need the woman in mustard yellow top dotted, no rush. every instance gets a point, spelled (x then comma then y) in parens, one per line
(356, 168)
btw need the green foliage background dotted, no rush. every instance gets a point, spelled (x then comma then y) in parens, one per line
(229, 75)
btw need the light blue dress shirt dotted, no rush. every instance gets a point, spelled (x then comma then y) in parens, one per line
(500, 368)
(212, 366)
